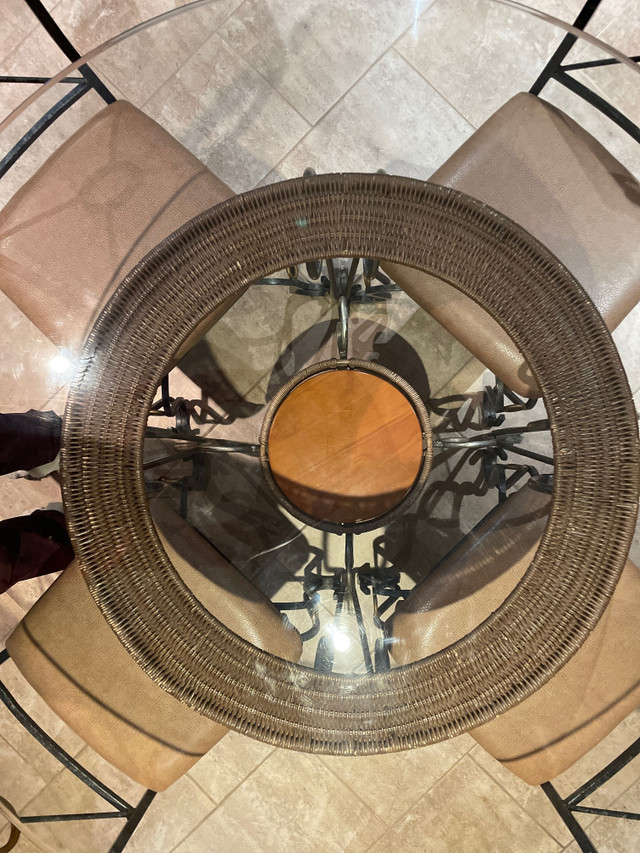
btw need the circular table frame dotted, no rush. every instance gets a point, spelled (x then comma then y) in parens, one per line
(593, 422)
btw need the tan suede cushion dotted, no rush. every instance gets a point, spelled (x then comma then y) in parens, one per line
(473, 582)
(105, 198)
(548, 732)
(72, 658)
(536, 165)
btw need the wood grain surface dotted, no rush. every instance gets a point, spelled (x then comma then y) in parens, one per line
(345, 446)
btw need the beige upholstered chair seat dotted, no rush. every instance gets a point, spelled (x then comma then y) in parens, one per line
(72, 658)
(108, 195)
(533, 163)
(548, 732)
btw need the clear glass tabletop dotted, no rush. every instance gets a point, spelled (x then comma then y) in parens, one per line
(327, 438)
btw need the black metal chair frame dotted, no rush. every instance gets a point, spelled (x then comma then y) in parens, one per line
(498, 399)
(494, 446)
(132, 814)
(567, 806)
(82, 84)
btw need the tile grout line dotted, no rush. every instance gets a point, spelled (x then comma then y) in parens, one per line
(358, 797)
(435, 89)
(266, 80)
(389, 49)
(329, 110)
(398, 53)
(223, 800)
(521, 807)
(428, 791)
(14, 50)
(191, 55)
(381, 56)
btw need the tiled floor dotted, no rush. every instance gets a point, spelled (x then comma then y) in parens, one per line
(245, 795)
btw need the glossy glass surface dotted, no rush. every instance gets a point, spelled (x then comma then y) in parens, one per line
(259, 96)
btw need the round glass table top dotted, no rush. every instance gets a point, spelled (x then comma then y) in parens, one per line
(287, 366)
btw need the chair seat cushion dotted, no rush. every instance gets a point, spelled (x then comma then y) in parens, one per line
(105, 198)
(600, 685)
(473, 582)
(544, 735)
(533, 163)
(69, 654)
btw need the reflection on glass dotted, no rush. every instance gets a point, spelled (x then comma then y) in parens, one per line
(335, 446)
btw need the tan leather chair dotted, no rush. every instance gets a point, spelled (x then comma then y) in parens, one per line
(600, 685)
(105, 198)
(533, 163)
(72, 658)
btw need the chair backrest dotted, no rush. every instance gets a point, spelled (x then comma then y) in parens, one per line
(555, 70)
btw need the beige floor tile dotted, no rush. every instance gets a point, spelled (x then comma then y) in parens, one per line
(225, 113)
(532, 799)
(10, 614)
(57, 402)
(627, 340)
(466, 811)
(399, 335)
(479, 56)
(11, 96)
(141, 63)
(237, 513)
(90, 23)
(26, 846)
(303, 55)
(66, 794)
(267, 329)
(613, 835)
(171, 817)
(41, 761)
(228, 764)
(26, 377)
(25, 49)
(34, 54)
(391, 784)
(110, 775)
(535, 802)
(18, 21)
(37, 54)
(22, 496)
(290, 804)
(20, 782)
(374, 126)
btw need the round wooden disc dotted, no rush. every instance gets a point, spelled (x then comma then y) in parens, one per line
(345, 446)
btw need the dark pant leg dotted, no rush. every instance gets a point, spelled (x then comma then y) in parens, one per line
(28, 440)
(33, 545)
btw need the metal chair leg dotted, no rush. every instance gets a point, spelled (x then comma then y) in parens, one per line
(582, 839)
(132, 822)
(133, 814)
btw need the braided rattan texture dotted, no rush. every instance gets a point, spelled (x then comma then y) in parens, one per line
(538, 627)
(427, 443)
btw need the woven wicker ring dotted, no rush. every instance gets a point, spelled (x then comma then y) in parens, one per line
(539, 304)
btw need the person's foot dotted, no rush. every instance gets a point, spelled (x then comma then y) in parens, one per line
(38, 473)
